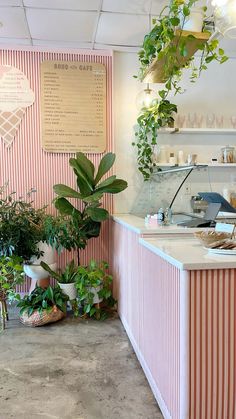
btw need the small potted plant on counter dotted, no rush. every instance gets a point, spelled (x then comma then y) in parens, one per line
(94, 287)
(43, 306)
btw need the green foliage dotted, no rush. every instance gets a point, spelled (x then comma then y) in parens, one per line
(11, 275)
(164, 43)
(89, 279)
(83, 216)
(20, 226)
(68, 276)
(43, 299)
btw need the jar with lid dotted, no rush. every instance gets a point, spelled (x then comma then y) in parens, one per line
(227, 154)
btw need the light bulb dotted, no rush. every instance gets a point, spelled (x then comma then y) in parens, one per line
(225, 18)
(145, 98)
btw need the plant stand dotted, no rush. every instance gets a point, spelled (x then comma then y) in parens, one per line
(3, 309)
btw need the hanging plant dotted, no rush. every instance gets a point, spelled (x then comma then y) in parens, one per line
(167, 43)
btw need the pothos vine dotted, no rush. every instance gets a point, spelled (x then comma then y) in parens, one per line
(163, 43)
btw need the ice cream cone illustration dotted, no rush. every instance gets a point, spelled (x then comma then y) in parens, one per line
(15, 96)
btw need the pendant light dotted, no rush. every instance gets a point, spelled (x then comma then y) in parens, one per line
(145, 98)
(225, 17)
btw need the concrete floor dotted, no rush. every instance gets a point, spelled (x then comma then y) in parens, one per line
(74, 369)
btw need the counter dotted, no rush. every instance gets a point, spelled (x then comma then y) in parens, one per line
(177, 304)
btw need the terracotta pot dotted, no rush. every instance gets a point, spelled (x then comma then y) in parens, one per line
(43, 282)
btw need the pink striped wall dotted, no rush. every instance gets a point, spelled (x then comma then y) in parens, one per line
(25, 165)
(212, 344)
(148, 293)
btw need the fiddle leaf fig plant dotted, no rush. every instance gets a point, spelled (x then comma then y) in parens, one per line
(85, 213)
(167, 43)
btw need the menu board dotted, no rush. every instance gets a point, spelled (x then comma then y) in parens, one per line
(73, 106)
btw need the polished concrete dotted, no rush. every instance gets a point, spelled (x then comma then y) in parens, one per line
(73, 369)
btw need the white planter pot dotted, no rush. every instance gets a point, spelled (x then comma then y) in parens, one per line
(194, 21)
(69, 289)
(34, 270)
(48, 255)
(95, 290)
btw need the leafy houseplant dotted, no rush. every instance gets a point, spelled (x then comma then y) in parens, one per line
(85, 215)
(166, 43)
(94, 285)
(11, 275)
(43, 306)
(66, 279)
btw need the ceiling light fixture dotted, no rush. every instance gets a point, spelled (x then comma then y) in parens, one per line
(225, 17)
(145, 98)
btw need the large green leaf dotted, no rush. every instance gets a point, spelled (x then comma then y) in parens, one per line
(86, 166)
(91, 228)
(85, 186)
(64, 206)
(105, 164)
(66, 191)
(115, 187)
(49, 270)
(94, 197)
(107, 182)
(97, 214)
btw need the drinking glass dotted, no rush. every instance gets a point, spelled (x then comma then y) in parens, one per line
(191, 120)
(210, 120)
(180, 120)
(198, 120)
(233, 121)
(219, 121)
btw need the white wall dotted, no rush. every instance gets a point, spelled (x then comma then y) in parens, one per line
(214, 92)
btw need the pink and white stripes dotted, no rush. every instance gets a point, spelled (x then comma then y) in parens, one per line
(26, 164)
(182, 325)
(212, 344)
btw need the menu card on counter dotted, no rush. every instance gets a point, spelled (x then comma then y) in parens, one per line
(73, 106)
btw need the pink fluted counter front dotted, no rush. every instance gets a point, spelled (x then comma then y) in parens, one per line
(177, 304)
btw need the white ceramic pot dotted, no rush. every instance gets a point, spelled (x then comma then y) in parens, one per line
(95, 290)
(69, 289)
(34, 270)
(194, 21)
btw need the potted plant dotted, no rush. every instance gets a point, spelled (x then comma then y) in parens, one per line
(169, 50)
(43, 306)
(66, 279)
(85, 214)
(93, 284)
(11, 275)
(25, 232)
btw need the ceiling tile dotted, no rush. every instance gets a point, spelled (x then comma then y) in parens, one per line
(61, 25)
(61, 44)
(14, 23)
(63, 4)
(121, 29)
(157, 6)
(10, 3)
(124, 6)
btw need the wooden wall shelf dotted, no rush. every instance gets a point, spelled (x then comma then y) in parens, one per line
(156, 73)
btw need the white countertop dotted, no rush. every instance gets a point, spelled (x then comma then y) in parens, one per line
(137, 224)
(187, 253)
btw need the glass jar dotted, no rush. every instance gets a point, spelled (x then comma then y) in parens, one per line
(227, 154)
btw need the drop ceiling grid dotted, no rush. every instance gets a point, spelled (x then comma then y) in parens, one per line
(76, 23)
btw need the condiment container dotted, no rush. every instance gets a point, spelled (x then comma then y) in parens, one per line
(172, 159)
(227, 154)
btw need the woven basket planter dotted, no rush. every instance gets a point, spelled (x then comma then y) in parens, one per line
(40, 319)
